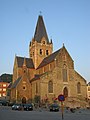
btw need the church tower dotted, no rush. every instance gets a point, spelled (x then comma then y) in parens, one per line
(40, 47)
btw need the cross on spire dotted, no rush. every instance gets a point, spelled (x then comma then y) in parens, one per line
(40, 12)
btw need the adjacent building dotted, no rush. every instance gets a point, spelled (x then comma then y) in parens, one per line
(88, 91)
(47, 74)
(3, 89)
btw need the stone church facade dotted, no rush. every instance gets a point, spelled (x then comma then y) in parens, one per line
(47, 74)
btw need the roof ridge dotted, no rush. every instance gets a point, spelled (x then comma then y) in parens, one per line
(49, 59)
(23, 57)
(16, 82)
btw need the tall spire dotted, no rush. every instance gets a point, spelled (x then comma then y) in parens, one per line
(40, 30)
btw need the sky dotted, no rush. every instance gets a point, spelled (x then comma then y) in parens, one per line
(66, 21)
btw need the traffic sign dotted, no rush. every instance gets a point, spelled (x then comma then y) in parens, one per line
(61, 97)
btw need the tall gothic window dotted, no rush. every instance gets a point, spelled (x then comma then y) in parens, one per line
(50, 86)
(47, 52)
(64, 72)
(78, 88)
(36, 87)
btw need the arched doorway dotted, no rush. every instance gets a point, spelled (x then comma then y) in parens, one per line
(24, 100)
(65, 92)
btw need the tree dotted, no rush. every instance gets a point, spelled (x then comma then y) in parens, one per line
(6, 78)
(37, 99)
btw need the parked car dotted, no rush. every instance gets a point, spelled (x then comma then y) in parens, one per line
(28, 107)
(17, 107)
(72, 110)
(54, 107)
(0, 103)
(11, 104)
(4, 102)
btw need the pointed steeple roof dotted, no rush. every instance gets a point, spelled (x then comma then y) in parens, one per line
(40, 30)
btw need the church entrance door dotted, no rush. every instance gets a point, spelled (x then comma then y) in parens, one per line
(24, 100)
(65, 92)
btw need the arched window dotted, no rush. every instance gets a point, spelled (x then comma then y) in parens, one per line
(64, 72)
(47, 52)
(50, 86)
(65, 75)
(65, 92)
(36, 88)
(23, 100)
(78, 87)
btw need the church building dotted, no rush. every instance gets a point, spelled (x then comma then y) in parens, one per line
(47, 74)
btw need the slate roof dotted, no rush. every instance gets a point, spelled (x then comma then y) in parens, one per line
(29, 62)
(40, 30)
(89, 83)
(49, 59)
(10, 85)
(36, 77)
(16, 82)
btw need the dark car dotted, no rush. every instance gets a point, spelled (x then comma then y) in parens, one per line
(11, 104)
(17, 107)
(4, 102)
(54, 107)
(28, 107)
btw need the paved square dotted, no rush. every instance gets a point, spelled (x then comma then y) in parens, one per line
(7, 114)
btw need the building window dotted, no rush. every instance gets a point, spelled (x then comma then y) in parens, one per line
(36, 87)
(0, 89)
(88, 88)
(0, 95)
(64, 57)
(40, 51)
(65, 75)
(65, 92)
(43, 42)
(24, 87)
(46, 52)
(78, 88)
(4, 89)
(4, 94)
(24, 71)
(50, 86)
(4, 85)
(31, 55)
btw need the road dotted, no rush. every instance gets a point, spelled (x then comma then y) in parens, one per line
(7, 114)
